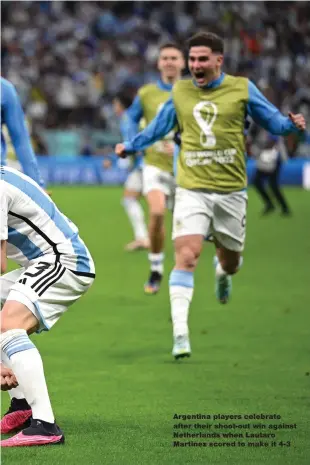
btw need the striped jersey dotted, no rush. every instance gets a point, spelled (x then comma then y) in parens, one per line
(35, 229)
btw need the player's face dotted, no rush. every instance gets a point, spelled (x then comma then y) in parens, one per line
(117, 107)
(170, 63)
(203, 64)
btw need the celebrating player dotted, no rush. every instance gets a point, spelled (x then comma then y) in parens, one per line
(12, 116)
(211, 197)
(158, 181)
(133, 184)
(56, 270)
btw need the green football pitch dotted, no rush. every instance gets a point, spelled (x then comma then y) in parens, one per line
(113, 383)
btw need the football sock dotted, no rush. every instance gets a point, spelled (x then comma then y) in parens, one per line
(181, 289)
(157, 262)
(27, 366)
(136, 217)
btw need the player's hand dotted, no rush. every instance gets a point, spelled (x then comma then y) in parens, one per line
(298, 120)
(8, 380)
(168, 147)
(120, 150)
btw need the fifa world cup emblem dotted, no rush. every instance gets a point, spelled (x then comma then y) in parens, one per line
(205, 114)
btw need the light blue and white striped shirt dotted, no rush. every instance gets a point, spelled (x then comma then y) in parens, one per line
(34, 227)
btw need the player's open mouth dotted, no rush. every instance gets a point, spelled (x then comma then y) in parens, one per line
(200, 77)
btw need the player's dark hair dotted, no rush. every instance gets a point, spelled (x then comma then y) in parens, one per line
(171, 45)
(124, 98)
(207, 39)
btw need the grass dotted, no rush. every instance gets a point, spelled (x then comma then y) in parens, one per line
(112, 381)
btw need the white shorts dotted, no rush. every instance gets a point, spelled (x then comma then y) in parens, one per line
(156, 179)
(134, 180)
(47, 289)
(222, 215)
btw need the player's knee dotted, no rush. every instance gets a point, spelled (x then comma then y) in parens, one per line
(187, 257)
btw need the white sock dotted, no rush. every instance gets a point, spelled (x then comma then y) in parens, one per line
(15, 392)
(219, 272)
(136, 217)
(157, 262)
(27, 366)
(181, 289)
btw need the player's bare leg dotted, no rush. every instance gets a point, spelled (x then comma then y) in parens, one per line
(181, 288)
(157, 206)
(17, 322)
(136, 217)
(226, 262)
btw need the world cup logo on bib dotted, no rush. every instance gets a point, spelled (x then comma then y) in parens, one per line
(205, 114)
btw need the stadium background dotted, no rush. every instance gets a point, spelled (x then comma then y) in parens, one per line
(112, 381)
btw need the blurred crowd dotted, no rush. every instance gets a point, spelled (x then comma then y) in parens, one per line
(69, 58)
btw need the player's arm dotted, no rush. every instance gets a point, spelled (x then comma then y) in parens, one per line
(161, 125)
(3, 257)
(265, 114)
(15, 121)
(134, 113)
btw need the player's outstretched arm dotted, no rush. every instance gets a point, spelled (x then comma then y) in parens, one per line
(265, 114)
(161, 125)
(15, 120)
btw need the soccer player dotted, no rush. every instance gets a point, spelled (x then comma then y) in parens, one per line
(12, 116)
(133, 184)
(268, 167)
(56, 270)
(158, 180)
(210, 110)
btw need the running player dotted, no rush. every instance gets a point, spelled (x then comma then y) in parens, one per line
(158, 180)
(13, 117)
(210, 110)
(56, 270)
(133, 184)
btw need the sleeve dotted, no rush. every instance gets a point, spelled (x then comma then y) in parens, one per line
(161, 125)
(3, 216)
(266, 115)
(135, 111)
(127, 127)
(15, 121)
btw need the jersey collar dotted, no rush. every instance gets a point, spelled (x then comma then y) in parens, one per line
(163, 86)
(213, 84)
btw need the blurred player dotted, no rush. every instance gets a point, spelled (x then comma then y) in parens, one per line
(158, 180)
(268, 167)
(12, 116)
(133, 184)
(56, 270)
(211, 196)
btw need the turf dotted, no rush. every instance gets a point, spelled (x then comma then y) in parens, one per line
(112, 380)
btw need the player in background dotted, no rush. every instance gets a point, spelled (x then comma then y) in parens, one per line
(210, 110)
(56, 269)
(133, 184)
(13, 117)
(272, 153)
(158, 180)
